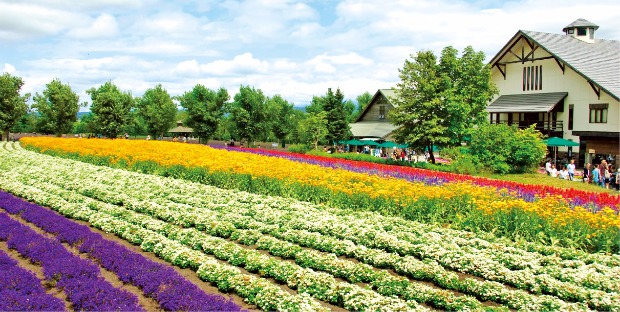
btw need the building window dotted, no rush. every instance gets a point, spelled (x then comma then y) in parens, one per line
(571, 108)
(598, 113)
(532, 78)
(591, 33)
(581, 31)
(571, 31)
(381, 112)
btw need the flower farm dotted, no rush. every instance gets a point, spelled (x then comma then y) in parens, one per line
(149, 225)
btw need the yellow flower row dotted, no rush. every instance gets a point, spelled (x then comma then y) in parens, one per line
(339, 180)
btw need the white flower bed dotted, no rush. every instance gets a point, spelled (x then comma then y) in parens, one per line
(373, 239)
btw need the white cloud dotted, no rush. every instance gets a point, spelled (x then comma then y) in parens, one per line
(101, 27)
(241, 64)
(8, 68)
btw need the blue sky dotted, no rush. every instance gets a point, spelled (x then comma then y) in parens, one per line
(293, 48)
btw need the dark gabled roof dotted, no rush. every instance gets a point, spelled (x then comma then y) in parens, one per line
(580, 23)
(597, 62)
(387, 93)
(526, 103)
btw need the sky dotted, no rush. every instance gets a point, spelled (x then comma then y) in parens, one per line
(296, 49)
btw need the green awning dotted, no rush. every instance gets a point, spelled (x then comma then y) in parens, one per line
(526, 103)
(555, 141)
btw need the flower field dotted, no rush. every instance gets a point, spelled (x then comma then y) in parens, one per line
(279, 253)
(505, 209)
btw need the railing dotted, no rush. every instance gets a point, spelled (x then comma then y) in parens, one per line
(542, 126)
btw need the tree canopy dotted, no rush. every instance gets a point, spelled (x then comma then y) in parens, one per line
(438, 103)
(111, 108)
(337, 125)
(157, 110)
(205, 109)
(249, 114)
(281, 113)
(57, 107)
(12, 105)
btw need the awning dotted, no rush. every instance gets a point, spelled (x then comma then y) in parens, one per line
(526, 103)
(371, 129)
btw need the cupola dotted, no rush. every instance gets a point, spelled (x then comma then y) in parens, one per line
(582, 30)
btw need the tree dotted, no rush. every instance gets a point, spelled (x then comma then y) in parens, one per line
(111, 108)
(281, 112)
(205, 109)
(157, 111)
(313, 129)
(418, 111)
(249, 114)
(12, 105)
(337, 126)
(86, 124)
(438, 104)
(26, 123)
(468, 90)
(57, 107)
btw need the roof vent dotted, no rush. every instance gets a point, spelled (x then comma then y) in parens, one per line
(581, 29)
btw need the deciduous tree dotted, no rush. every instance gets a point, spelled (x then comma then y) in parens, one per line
(248, 113)
(157, 110)
(281, 113)
(12, 105)
(57, 107)
(205, 109)
(439, 103)
(111, 108)
(313, 129)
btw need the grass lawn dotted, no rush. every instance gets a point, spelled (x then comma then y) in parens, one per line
(543, 179)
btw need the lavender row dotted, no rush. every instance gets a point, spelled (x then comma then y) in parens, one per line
(161, 282)
(79, 278)
(21, 290)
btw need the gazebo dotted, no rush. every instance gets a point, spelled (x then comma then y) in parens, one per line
(180, 129)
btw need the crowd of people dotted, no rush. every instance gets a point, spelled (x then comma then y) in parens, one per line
(602, 174)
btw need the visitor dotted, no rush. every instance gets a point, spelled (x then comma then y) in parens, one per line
(548, 167)
(553, 172)
(563, 173)
(126, 136)
(587, 173)
(148, 137)
(596, 175)
(571, 169)
(603, 173)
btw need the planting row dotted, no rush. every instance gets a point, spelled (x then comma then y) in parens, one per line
(119, 195)
(160, 282)
(21, 290)
(80, 279)
(528, 192)
(462, 204)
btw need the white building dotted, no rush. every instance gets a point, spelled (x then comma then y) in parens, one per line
(567, 84)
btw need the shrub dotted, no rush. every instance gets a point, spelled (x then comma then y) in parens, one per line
(299, 148)
(507, 149)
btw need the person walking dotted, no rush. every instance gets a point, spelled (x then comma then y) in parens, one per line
(596, 176)
(548, 166)
(571, 169)
(587, 173)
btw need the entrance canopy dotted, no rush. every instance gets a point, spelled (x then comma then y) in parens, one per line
(526, 103)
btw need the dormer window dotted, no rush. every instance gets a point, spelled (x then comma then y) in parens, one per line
(591, 33)
(571, 31)
(381, 112)
(581, 31)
